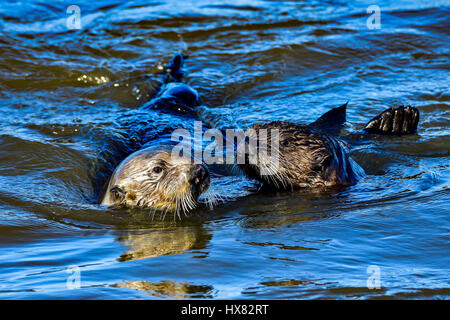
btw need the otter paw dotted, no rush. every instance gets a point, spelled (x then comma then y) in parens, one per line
(402, 120)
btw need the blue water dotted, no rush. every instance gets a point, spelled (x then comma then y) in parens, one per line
(64, 97)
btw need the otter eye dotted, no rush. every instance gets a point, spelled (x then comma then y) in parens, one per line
(157, 169)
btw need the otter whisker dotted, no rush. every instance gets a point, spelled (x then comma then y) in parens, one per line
(275, 174)
(211, 199)
(178, 208)
(153, 215)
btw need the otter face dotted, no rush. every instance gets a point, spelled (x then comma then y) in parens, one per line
(155, 179)
(306, 158)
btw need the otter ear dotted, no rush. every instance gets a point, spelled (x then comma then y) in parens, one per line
(331, 119)
(117, 193)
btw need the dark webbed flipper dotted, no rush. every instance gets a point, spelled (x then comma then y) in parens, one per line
(332, 119)
(402, 120)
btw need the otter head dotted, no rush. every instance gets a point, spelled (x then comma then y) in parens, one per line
(158, 180)
(300, 157)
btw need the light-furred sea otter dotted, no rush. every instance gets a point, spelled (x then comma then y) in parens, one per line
(151, 177)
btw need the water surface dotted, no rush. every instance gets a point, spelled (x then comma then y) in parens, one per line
(64, 95)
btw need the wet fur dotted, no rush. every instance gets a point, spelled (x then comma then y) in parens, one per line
(311, 158)
(134, 183)
(307, 158)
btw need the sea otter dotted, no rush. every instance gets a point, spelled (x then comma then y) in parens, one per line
(310, 157)
(152, 177)
(156, 179)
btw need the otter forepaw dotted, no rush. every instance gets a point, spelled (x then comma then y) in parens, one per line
(402, 120)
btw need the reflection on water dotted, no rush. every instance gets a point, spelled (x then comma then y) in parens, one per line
(70, 101)
(170, 289)
(155, 243)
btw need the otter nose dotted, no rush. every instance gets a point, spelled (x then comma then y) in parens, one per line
(200, 175)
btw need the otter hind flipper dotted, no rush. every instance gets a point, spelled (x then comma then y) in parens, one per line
(174, 68)
(332, 119)
(398, 121)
